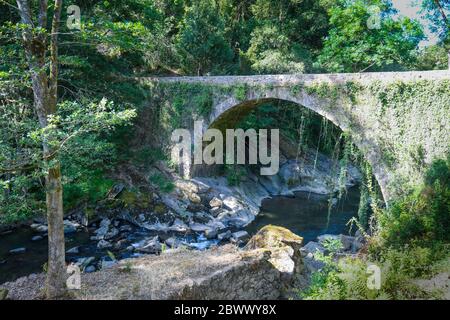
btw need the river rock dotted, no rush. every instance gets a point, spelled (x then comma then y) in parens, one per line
(232, 203)
(187, 186)
(157, 226)
(179, 226)
(215, 211)
(39, 227)
(84, 262)
(70, 226)
(103, 244)
(239, 236)
(195, 198)
(195, 207)
(224, 235)
(89, 269)
(211, 233)
(111, 234)
(349, 243)
(74, 250)
(312, 247)
(172, 242)
(125, 228)
(238, 219)
(37, 238)
(17, 250)
(215, 202)
(198, 227)
(148, 245)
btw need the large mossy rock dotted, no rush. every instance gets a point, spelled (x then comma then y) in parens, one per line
(271, 236)
(284, 246)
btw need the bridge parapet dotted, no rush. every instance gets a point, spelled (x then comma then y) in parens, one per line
(290, 79)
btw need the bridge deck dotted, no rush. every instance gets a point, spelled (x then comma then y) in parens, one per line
(286, 79)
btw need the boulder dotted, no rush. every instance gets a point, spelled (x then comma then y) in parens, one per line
(284, 246)
(326, 237)
(215, 202)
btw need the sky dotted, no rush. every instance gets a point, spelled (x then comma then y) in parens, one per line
(411, 9)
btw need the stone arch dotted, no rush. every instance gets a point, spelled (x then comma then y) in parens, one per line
(228, 109)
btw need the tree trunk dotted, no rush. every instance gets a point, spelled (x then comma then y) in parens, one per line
(56, 272)
(45, 101)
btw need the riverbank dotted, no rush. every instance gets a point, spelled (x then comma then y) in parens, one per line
(198, 214)
(272, 265)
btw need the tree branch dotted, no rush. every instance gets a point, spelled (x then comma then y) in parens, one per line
(53, 81)
(441, 10)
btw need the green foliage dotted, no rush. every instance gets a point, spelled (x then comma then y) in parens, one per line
(352, 46)
(234, 174)
(424, 215)
(162, 182)
(437, 12)
(347, 278)
(431, 58)
(240, 92)
(201, 39)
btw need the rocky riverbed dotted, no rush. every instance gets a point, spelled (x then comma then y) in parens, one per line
(273, 264)
(200, 213)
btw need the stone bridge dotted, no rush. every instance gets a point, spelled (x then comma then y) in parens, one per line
(399, 120)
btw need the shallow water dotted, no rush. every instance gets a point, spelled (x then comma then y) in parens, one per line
(307, 214)
(13, 266)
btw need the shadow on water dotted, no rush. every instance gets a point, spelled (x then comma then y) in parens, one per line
(307, 214)
(15, 265)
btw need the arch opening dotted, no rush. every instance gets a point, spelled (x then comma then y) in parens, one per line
(316, 156)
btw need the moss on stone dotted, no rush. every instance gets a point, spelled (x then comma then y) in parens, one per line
(160, 209)
(272, 236)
